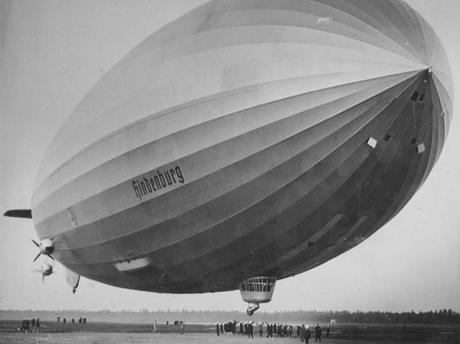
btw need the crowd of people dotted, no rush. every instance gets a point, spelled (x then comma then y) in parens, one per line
(81, 321)
(248, 328)
(32, 325)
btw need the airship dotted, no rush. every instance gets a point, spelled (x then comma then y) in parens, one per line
(245, 142)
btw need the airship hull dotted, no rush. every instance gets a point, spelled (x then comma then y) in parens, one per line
(246, 138)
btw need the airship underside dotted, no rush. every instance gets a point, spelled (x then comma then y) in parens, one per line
(246, 138)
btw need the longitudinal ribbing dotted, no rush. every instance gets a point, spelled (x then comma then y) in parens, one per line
(246, 138)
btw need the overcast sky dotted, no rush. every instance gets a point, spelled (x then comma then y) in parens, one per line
(52, 52)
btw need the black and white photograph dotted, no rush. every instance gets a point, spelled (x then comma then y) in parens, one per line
(225, 171)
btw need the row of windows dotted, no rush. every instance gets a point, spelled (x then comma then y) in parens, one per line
(262, 284)
(415, 96)
(256, 287)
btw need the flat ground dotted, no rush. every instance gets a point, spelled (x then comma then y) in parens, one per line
(113, 333)
(143, 338)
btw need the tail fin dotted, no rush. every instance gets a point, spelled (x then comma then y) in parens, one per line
(21, 213)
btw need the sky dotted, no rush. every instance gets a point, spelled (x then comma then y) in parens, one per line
(52, 52)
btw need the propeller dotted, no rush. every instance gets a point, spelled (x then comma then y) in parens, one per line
(46, 247)
(45, 270)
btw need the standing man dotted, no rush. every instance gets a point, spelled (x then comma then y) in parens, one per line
(217, 329)
(317, 333)
(307, 335)
(302, 333)
(269, 330)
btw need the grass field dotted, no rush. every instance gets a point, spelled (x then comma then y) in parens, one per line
(105, 333)
(143, 338)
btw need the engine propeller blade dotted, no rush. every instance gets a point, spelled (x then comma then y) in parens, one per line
(38, 255)
(36, 243)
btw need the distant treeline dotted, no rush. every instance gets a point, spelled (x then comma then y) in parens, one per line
(295, 317)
